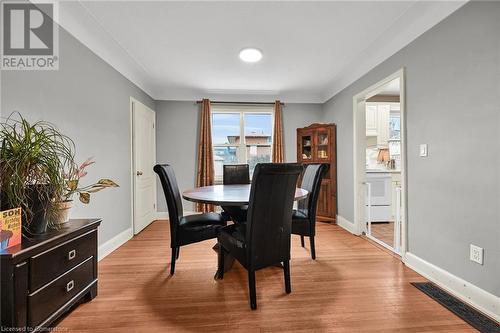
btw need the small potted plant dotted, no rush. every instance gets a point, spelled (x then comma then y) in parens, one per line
(72, 182)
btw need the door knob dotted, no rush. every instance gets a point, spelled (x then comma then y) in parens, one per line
(139, 173)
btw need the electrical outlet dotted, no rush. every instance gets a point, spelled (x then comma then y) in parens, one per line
(423, 150)
(476, 254)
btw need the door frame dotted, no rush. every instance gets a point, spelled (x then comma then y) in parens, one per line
(359, 162)
(132, 163)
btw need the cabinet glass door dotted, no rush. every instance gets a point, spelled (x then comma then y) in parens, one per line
(306, 146)
(322, 145)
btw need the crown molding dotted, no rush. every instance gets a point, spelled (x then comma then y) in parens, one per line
(79, 22)
(189, 94)
(419, 18)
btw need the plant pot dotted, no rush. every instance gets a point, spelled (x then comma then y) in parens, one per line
(63, 209)
(39, 197)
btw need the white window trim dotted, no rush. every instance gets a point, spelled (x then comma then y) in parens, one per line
(241, 109)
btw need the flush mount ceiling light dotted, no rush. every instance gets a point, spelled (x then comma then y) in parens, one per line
(250, 55)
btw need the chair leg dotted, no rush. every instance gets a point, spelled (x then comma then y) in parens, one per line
(178, 253)
(313, 248)
(252, 291)
(302, 241)
(286, 270)
(172, 260)
(220, 270)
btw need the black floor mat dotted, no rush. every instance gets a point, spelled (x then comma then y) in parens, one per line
(473, 317)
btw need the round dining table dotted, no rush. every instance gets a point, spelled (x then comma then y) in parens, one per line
(228, 195)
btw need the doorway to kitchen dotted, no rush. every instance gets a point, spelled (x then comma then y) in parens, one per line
(380, 163)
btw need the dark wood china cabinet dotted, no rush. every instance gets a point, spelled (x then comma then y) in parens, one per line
(317, 143)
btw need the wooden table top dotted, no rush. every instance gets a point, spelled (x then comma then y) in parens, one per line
(227, 195)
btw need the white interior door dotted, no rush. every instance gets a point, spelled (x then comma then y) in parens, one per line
(144, 158)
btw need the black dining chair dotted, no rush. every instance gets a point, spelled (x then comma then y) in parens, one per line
(264, 240)
(235, 174)
(304, 218)
(184, 230)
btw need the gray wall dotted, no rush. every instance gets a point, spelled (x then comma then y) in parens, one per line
(176, 138)
(452, 96)
(176, 144)
(296, 116)
(89, 101)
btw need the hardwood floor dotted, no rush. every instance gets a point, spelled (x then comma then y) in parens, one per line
(353, 286)
(384, 232)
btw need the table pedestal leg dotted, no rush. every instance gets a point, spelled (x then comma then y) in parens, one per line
(228, 261)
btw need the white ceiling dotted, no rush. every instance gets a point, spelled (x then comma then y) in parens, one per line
(189, 50)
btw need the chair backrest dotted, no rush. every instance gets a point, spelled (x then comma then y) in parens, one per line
(311, 181)
(236, 174)
(172, 195)
(270, 209)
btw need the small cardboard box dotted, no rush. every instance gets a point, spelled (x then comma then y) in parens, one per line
(10, 228)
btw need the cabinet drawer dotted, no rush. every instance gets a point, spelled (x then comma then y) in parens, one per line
(45, 301)
(48, 265)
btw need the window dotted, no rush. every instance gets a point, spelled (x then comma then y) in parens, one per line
(241, 134)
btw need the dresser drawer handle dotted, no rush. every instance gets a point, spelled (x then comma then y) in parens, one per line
(70, 285)
(71, 254)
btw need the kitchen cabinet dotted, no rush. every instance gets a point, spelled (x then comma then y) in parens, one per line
(371, 120)
(383, 114)
(377, 121)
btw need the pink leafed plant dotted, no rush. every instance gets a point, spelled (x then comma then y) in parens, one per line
(73, 183)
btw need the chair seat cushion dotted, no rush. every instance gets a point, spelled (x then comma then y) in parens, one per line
(299, 215)
(197, 220)
(199, 227)
(301, 224)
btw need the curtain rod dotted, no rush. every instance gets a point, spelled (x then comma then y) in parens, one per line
(243, 103)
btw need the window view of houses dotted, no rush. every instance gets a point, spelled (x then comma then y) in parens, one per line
(227, 130)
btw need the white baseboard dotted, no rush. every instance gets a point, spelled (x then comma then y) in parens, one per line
(161, 216)
(347, 225)
(480, 299)
(114, 243)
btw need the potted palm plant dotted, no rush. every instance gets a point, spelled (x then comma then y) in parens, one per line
(33, 157)
(38, 173)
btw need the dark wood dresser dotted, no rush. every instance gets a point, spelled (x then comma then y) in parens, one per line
(44, 276)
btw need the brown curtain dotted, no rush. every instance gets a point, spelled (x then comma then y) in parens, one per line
(278, 149)
(205, 175)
